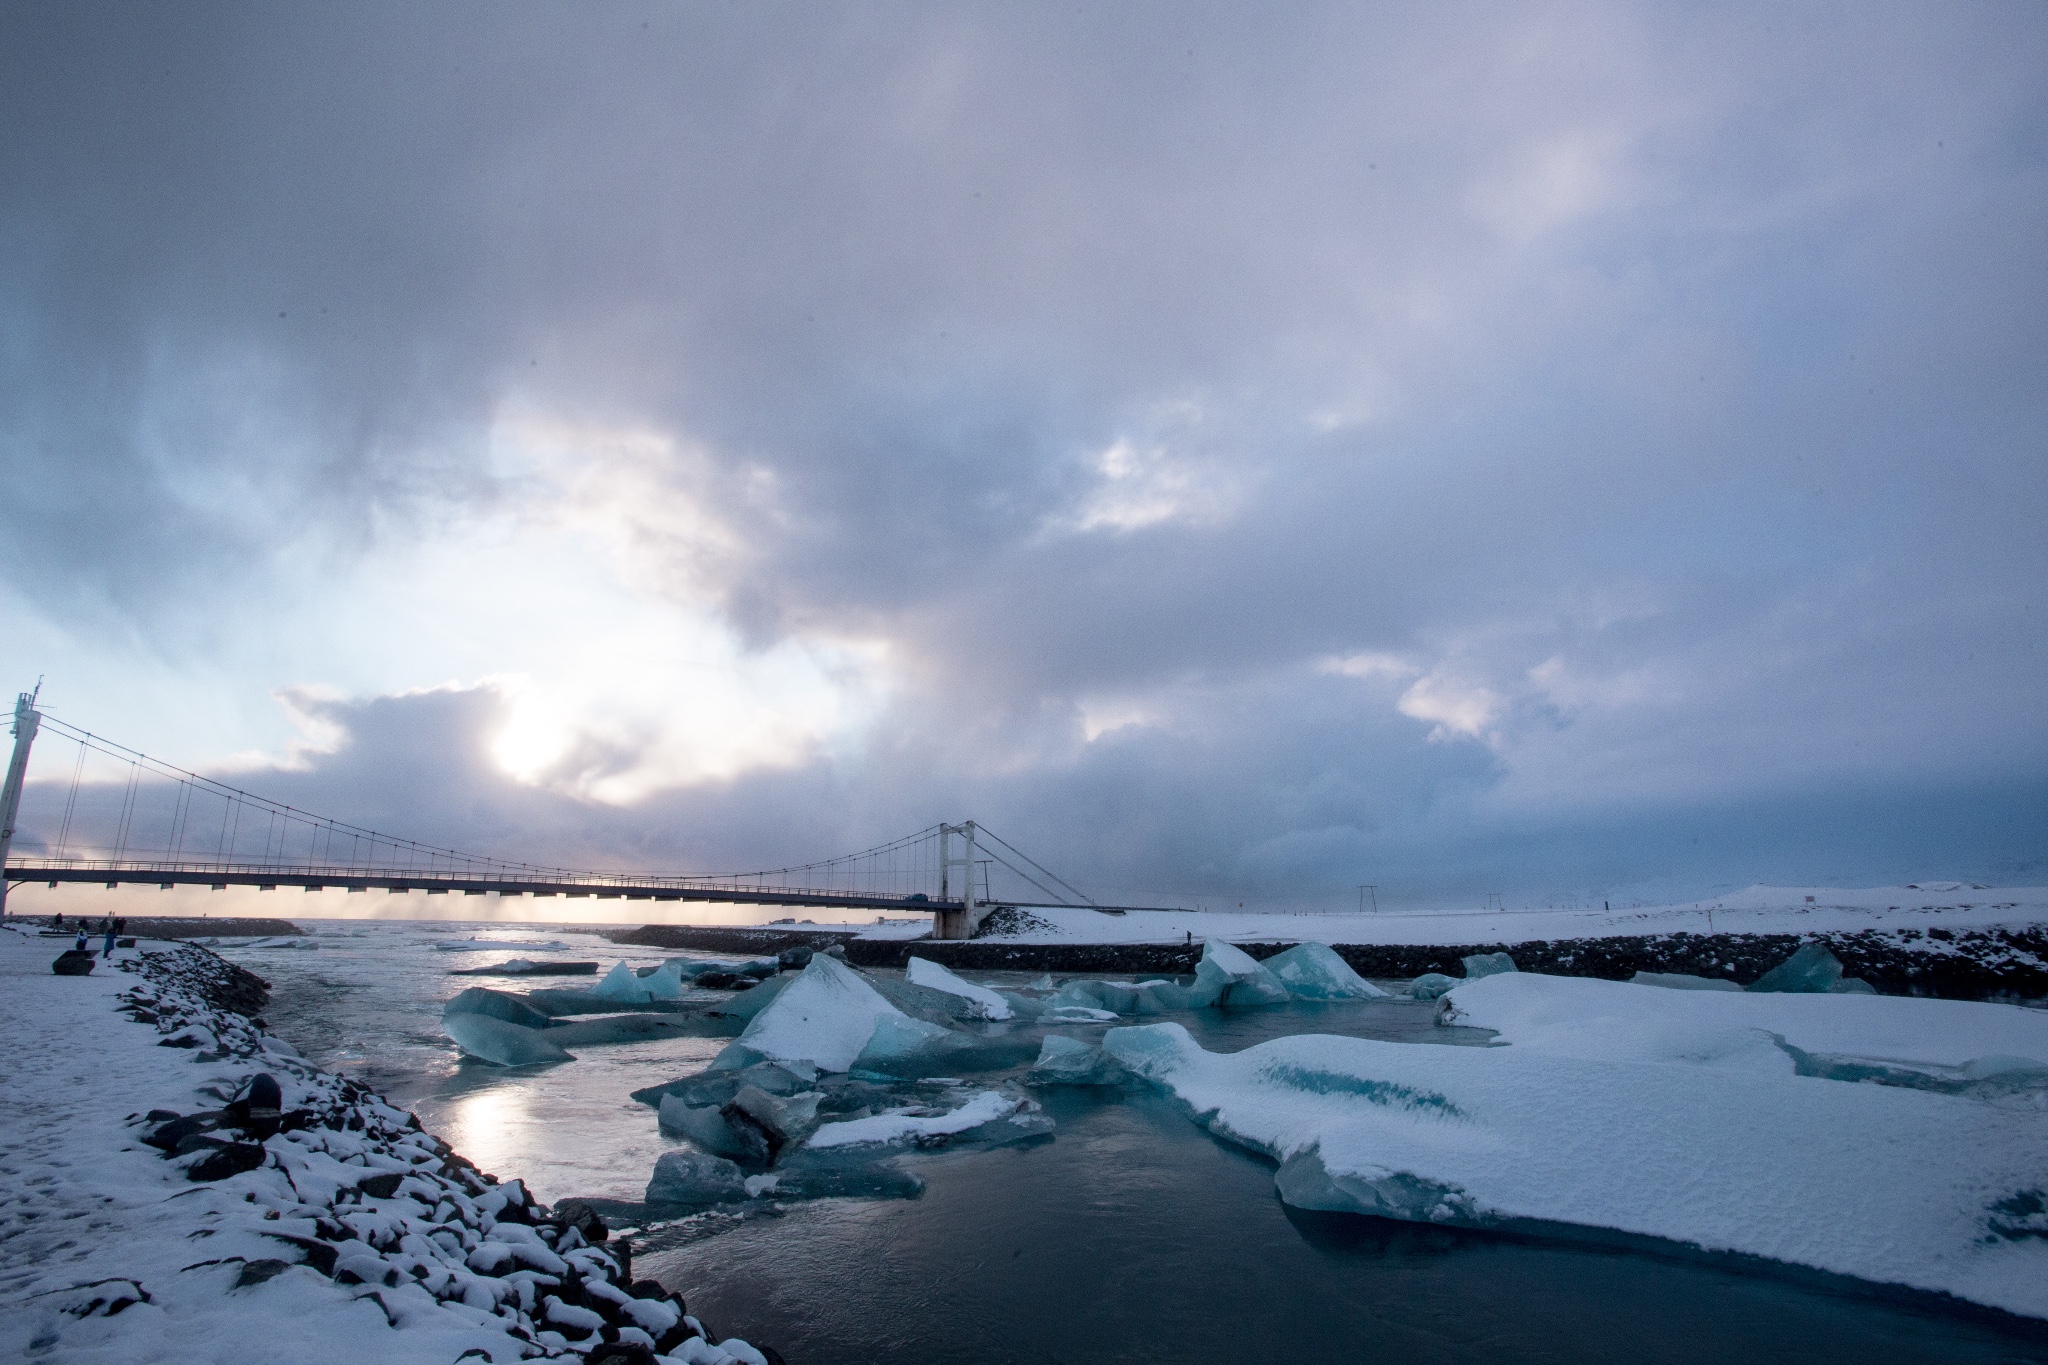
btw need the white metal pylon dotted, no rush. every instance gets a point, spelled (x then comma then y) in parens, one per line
(27, 720)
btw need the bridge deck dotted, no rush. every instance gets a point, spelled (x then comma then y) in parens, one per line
(460, 883)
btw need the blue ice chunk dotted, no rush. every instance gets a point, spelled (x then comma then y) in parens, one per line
(1852, 985)
(502, 1044)
(1813, 970)
(696, 1179)
(754, 999)
(496, 1005)
(1430, 985)
(623, 984)
(1487, 964)
(1229, 978)
(1069, 1061)
(1313, 971)
(1679, 981)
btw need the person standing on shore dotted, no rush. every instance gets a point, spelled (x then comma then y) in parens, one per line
(108, 951)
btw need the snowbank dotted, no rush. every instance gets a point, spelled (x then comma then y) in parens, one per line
(1757, 910)
(1660, 1113)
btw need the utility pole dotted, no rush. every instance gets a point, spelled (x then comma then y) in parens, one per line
(27, 720)
(1364, 889)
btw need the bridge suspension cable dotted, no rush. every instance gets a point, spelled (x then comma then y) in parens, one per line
(139, 819)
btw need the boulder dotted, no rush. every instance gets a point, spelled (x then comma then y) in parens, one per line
(72, 962)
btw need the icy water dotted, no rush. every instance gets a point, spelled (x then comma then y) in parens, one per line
(1130, 1235)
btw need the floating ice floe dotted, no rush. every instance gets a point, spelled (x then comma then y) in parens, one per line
(934, 977)
(1487, 964)
(984, 1108)
(1431, 985)
(1673, 1114)
(1901, 1040)
(495, 1005)
(1679, 981)
(1811, 970)
(481, 945)
(1228, 976)
(502, 1044)
(1069, 1061)
(1313, 971)
(824, 1017)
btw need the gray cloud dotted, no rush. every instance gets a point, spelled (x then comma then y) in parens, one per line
(1669, 377)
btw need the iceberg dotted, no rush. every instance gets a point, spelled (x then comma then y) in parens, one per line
(481, 1000)
(693, 1178)
(752, 1127)
(1124, 997)
(1678, 981)
(934, 977)
(754, 999)
(1313, 971)
(1078, 1014)
(1229, 978)
(824, 1016)
(986, 1107)
(1069, 1061)
(1768, 1034)
(1812, 970)
(502, 1044)
(1430, 985)
(1887, 1184)
(1487, 964)
(623, 984)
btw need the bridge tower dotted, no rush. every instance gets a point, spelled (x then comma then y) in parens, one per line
(961, 923)
(27, 720)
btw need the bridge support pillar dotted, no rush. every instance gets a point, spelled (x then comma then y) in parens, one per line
(961, 923)
(27, 720)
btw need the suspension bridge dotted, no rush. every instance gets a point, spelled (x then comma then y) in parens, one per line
(117, 816)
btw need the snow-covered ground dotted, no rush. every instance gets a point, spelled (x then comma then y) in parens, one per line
(355, 1237)
(1758, 910)
(1896, 1140)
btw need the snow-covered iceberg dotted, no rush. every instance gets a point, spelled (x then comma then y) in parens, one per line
(912, 1126)
(934, 977)
(824, 1016)
(1229, 977)
(1669, 1114)
(1313, 971)
(1774, 1034)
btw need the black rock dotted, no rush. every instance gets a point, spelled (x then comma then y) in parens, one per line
(72, 962)
(574, 1213)
(674, 1337)
(621, 1353)
(651, 1289)
(167, 1137)
(383, 1185)
(723, 981)
(771, 1355)
(228, 1159)
(318, 1254)
(256, 1272)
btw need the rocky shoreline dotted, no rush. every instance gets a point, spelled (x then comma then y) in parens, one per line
(316, 1174)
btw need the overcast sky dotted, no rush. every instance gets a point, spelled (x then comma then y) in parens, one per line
(1233, 451)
